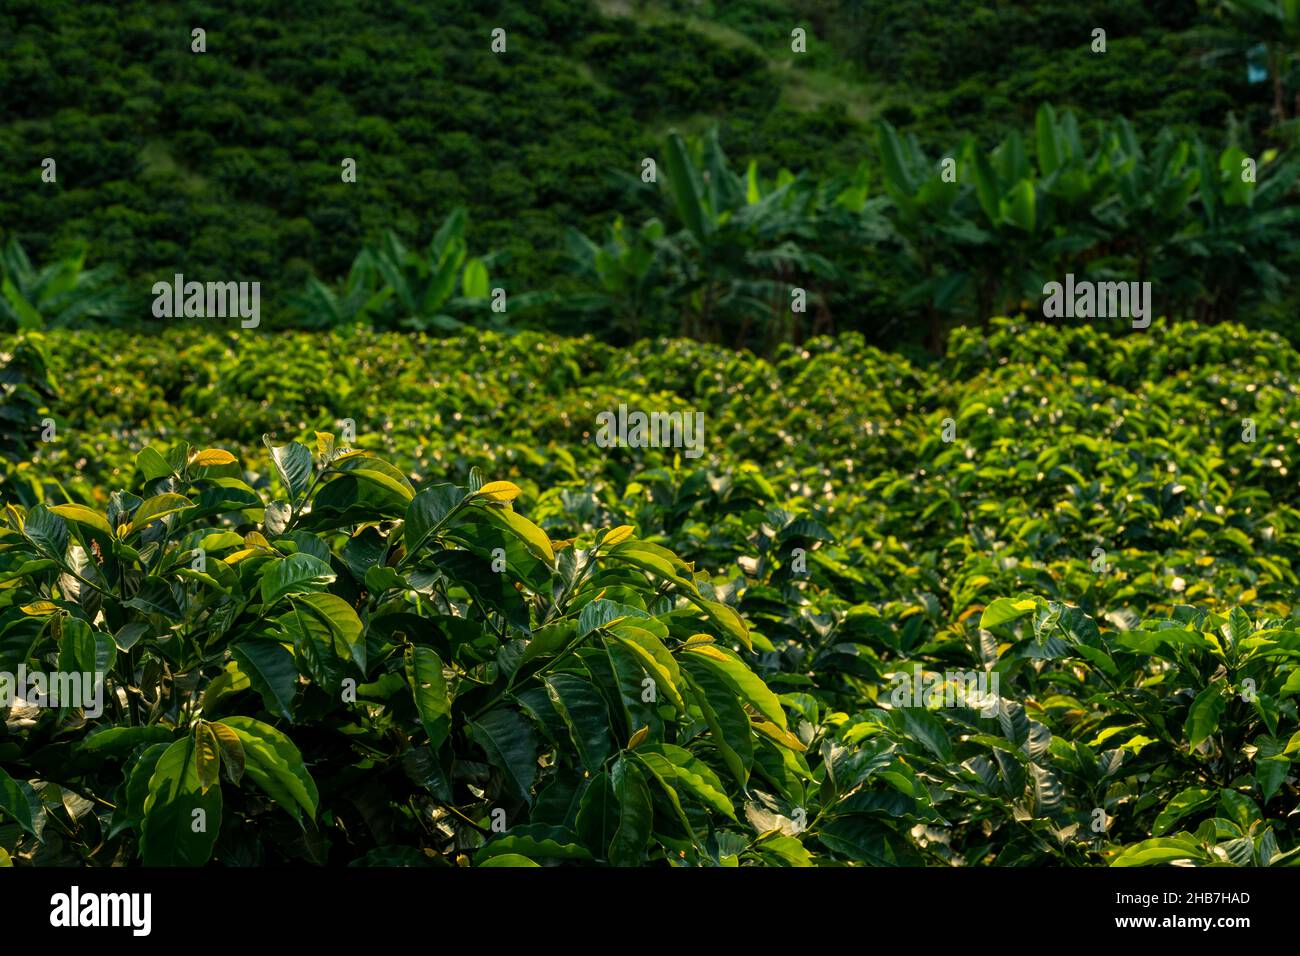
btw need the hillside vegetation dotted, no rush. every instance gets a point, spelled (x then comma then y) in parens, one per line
(227, 164)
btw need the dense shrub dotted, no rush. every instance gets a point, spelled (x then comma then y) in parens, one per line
(1098, 538)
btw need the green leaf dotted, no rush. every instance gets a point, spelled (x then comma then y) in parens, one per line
(724, 619)
(181, 821)
(428, 511)
(533, 537)
(474, 282)
(747, 685)
(293, 463)
(511, 747)
(86, 652)
(654, 657)
(597, 818)
(380, 473)
(635, 814)
(1270, 773)
(687, 189)
(726, 719)
(159, 506)
(273, 763)
(865, 839)
(892, 159)
(928, 730)
(1049, 157)
(47, 531)
(1004, 610)
(344, 626)
(1160, 850)
(583, 711)
(1203, 716)
(129, 812)
(271, 671)
(122, 740)
(657, 561)
(533, 841)
(151, 464)
(689, 774)
(1188, 801)
(297, 574)
(14, 804)
(508, 860)
(83, 515)
(429, 688)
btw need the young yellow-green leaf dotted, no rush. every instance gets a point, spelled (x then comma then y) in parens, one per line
(83, 515)
(617, 535)
(474, 281)
(499, 491)
(747, 685)
(1004, 610)
(159, 506)
(324, 445)
(1160, 850)
(533, 537)
(638, 737)
(778, 735)
(213, 456)
(508, 860)
(724, 619)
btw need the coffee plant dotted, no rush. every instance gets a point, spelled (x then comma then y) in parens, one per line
(1064, 637)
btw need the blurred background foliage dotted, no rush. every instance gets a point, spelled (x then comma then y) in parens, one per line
(521, 171)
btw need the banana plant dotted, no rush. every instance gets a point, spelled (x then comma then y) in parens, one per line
(624, 277)
(931, 229)
(357, 300)
(1244, 225)
(1149, 210)
(425, 284)
(59, 294)
(738, 252)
